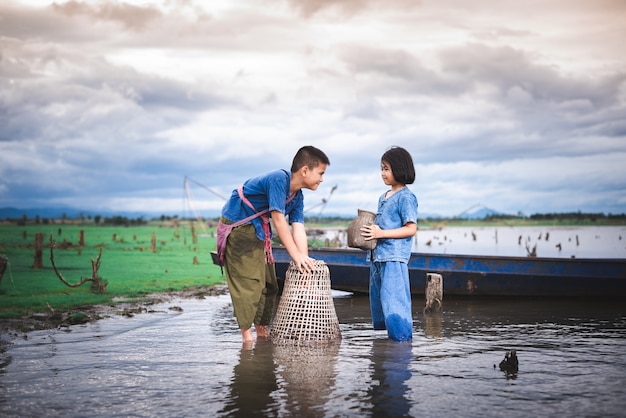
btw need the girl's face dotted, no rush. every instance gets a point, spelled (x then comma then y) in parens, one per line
(387, 174)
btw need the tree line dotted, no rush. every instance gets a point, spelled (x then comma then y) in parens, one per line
(120, 220)
(563, 216)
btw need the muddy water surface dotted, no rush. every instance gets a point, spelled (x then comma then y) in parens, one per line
(191, 363)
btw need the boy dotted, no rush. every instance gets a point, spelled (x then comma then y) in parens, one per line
(250, 270)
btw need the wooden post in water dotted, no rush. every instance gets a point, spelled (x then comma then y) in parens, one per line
(434, 292)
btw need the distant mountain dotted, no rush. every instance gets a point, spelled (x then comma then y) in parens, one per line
(481, 213)
(73, 213)
(69, 213)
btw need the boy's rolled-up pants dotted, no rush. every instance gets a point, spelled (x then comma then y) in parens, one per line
(252, 283)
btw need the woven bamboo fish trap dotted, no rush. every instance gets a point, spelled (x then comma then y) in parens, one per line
(306, 313)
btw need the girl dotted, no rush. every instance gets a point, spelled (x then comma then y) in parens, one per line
(394, 228)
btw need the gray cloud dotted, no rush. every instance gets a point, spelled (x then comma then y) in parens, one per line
(130, 16)
(111, 104)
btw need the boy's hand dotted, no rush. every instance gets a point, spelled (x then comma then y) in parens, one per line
(304, 263)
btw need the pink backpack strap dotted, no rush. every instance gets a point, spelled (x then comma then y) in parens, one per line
(247, 202)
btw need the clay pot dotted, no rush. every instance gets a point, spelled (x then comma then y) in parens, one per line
(355, 239)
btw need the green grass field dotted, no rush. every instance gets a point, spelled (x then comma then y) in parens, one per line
(128, 264)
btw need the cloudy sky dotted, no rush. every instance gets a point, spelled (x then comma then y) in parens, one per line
(516, 106)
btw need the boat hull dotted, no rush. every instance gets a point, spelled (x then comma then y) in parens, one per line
(469, 275)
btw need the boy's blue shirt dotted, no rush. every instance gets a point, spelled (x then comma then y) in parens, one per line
(395, 212)
(269, 190)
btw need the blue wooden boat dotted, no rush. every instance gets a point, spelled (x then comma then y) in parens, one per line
(471, 275)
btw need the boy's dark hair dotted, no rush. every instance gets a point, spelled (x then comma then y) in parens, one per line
(308, 156)
(401, 164)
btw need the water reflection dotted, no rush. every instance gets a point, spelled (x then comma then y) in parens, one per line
(272, 380)
(253, 382)
(390, 376)
(572, 359)
(433, 324)
(308, 375)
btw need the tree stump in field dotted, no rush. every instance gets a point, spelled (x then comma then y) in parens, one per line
(194, 236)
(38, 260)
(434, 292)
(3, 265)
(81, 238)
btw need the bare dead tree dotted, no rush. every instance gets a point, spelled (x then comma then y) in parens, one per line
(531, 253)
(97, 284)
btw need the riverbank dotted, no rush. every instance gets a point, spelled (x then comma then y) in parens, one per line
(141, 266)
(14, 328)
(89, 313)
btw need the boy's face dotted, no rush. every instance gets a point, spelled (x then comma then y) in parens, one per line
(313, 177)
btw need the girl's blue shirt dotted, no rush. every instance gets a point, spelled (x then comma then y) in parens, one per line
(395, 212)
(269, 190)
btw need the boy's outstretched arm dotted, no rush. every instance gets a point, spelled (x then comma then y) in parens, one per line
(299, 236)
(295, 245)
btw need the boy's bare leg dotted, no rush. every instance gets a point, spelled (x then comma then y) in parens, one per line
(262, 331)
(246, 335)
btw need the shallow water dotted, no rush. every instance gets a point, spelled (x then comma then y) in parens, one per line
(547, 241)
(572, 358)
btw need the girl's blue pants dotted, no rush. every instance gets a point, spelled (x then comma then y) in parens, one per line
(390, 299)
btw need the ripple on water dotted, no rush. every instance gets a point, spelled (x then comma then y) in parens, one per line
(572, 361)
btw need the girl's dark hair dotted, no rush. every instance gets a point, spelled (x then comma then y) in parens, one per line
(308, 156)
(401, 164)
